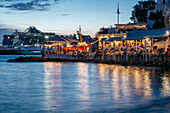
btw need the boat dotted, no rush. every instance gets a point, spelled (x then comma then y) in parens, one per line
(30, 50)
(8, 50)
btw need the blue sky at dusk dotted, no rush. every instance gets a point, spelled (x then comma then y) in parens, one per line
(62, 16)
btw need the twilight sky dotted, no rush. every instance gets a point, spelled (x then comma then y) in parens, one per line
(62, 16)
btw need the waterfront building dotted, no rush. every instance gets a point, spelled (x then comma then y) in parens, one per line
(118, 31)
(147, 42)
(82, 38)
(164, 6)
(61, 43)
(85, 38)
(31, 36)
(123, 28)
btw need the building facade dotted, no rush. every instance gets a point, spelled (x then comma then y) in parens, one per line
(118, 31)
(123, 28)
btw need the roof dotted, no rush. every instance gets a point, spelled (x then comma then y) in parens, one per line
(103, 39)
(159, 36)
(61, 39)
(130, 24)
(69, 39)
(56, 38)
(137, 35)
(115, 39)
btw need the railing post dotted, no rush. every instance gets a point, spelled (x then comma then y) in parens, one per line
(114, 51)
(146, 50)
(103, 51)
(126, 50)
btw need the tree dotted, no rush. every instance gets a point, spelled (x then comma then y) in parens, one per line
(158, 18)
(140, 10)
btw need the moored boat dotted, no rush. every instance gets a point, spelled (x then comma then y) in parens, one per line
(30, 50)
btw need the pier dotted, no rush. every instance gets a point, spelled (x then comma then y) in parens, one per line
(86, 59)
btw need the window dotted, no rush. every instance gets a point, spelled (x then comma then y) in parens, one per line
(163, 1)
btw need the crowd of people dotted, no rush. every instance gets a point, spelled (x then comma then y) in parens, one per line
(120, 54)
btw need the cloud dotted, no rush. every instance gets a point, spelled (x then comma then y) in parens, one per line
(64, 14)
(28, 5)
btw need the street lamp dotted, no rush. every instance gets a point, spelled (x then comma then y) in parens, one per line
(167, 33)
(46, 37)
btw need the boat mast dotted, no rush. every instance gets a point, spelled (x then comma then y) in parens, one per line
(80, 34)
(118, 13)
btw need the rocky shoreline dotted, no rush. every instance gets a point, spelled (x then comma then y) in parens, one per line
(42, 59)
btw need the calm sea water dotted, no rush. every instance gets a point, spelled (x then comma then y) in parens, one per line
(82, 87)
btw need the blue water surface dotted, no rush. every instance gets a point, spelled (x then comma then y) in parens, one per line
(53, 87)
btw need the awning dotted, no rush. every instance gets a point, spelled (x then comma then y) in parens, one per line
(103, 39)
(138, 35)
(159, 36)
(134, 38)
(56, 38)
(115, 39)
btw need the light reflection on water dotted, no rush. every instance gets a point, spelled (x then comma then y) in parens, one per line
(76, 87)
(166, 84)
(83, 80)
(126, 81)
(53, 85)
(85, 86)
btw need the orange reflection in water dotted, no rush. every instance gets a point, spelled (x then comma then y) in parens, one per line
(53, 85)
(126, 82)
(166, 84)
(119, 83)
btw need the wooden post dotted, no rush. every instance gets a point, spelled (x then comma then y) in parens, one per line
(103, 50)
(146, 50)
(136, 45)
(126, 50)
(99, 42)
(114, 50)
(78, 48)
(167, 43)
(84, 46)
(56, 47)
(66, 47)
(152, 44)
(62, 48)
(59, 48)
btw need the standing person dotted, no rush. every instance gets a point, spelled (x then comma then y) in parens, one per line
(137, 54)
(73, 55)
(78, 54)
(168, 54)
